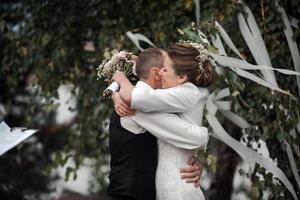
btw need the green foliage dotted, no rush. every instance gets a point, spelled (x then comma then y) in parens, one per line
(272, 115)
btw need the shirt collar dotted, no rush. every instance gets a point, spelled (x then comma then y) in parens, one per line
(142, 84)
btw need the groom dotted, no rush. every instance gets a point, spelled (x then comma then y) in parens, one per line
(134, 156)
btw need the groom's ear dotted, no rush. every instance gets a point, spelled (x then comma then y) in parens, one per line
(155, 72)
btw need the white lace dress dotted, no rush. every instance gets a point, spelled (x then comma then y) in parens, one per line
(187, 101)
(169, 185)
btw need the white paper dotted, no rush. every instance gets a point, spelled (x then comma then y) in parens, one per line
(10, 137)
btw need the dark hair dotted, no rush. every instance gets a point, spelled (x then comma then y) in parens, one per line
(184, 58)
(152, 57)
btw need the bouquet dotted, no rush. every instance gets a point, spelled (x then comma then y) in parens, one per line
(122, 61)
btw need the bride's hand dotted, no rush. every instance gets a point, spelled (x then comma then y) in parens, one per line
(125, 86)
(121, 108)
(119, 77)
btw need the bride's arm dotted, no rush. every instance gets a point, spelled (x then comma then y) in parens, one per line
(173, 129)
(126, 87)
(168, 127)
(172, 100)
(177, 99)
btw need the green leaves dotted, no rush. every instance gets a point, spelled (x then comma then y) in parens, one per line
(70, 170)
(59, 161)
(46, 39)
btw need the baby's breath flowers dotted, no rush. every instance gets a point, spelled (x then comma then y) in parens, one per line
(203, 52)
(192, 35)
(122, 61)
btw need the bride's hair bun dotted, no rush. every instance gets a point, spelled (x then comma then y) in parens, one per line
(205, 77)
(193, 62)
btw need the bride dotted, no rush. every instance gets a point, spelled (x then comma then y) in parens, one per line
(185, 74)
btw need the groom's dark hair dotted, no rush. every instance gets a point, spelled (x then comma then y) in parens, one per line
(152, 57)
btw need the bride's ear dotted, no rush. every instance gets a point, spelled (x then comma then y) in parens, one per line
(182, 79)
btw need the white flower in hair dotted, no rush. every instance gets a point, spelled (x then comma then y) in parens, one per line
(203, 52)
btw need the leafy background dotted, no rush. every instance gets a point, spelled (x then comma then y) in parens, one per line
(45, 44)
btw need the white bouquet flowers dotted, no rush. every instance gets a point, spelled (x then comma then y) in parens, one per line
(122, 61)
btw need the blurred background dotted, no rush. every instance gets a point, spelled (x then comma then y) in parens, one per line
(49, 52)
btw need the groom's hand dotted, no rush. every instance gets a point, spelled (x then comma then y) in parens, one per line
(121, 108)
(192, 174)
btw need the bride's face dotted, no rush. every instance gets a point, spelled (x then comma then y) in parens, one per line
(168, 76)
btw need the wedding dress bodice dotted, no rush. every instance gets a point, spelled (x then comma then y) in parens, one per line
(169, 185)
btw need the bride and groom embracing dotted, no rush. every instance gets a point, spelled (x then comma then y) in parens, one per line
(169, 101)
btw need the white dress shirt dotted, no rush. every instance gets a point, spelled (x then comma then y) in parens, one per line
(155, 108)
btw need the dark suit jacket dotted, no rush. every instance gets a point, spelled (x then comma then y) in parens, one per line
(133, 162)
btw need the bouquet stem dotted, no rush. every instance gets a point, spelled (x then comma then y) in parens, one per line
(113, 87)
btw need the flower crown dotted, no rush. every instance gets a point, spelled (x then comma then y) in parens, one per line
(203, 52)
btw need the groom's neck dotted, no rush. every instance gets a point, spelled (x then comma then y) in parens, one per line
(149, 82)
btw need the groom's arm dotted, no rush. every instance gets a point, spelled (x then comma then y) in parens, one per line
(174, 130)
(193, 172)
